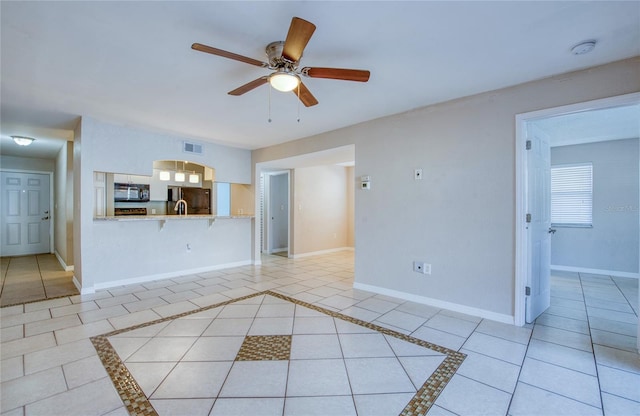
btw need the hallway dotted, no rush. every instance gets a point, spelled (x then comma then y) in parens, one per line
(33, 278)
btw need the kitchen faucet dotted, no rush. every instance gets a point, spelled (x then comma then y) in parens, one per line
(181, 201)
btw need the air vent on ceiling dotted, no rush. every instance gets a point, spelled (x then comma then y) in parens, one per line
(192, 148)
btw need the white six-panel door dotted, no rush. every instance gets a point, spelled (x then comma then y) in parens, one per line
(25, 213)
(538, 225)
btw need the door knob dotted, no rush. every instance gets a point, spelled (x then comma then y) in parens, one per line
(45, 218)
(552, 230)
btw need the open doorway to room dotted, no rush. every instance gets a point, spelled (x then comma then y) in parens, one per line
(275, 212)
(597, 252)
(306, 204)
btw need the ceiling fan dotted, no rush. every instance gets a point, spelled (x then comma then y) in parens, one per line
(284, 58)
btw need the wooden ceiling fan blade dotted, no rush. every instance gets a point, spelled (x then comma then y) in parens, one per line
(300, 32)
(305, 95)
(230, 55)
(359, 75)
(249, 86)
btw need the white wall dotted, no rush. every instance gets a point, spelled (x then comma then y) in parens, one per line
(461, 216)
(108, 252)
(320, 209)
(26, 164)
(611, 245)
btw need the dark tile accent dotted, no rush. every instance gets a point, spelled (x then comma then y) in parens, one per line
(265, 348)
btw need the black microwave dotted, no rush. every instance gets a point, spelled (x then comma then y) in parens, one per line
(130, 192)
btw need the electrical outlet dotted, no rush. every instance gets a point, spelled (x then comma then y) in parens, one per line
(421, 267)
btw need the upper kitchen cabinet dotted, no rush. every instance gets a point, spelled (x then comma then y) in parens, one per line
(123, 178)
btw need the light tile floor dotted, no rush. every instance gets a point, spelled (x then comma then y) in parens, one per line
(579, 357)
(30, 278)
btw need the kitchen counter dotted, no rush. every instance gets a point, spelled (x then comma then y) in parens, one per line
(162, 219)
(170, 217)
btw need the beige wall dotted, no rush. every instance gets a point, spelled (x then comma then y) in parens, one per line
(242, 199)
(350, 206)
(320, 209)
(461, 217)
(63, 203)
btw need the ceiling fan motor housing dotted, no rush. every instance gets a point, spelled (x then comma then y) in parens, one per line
(276, 60)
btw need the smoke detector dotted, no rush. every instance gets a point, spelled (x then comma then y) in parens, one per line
(583, 47)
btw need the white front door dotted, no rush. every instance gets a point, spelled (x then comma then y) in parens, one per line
(538, 224)
(25, 213)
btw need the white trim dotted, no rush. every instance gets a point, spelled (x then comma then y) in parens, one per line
(320, 252)
(482, 313)
(521, 251)
(277, 250)
(83, 291)
(62, 263)
(595, 271)
(148, 278)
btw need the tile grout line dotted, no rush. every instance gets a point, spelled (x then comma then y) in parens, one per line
(593, 350)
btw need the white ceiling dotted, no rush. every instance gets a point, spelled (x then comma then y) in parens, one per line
(131, 62)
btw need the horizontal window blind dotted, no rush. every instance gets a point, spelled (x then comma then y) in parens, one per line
(572, 195)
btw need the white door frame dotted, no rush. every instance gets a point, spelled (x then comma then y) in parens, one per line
(52, 249)
(258, 244)
(522, 246)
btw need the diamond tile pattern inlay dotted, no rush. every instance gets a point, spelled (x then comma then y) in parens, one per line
(303, 353)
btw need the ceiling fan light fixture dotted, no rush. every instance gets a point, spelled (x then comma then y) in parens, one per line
(284, 81)
(22, 140)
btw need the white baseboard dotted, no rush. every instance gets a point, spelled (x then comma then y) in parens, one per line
(595, 271)
(317, 253)
(62, 263)
(83, 291)
(149, 278)
(468, 310)
(278, 250)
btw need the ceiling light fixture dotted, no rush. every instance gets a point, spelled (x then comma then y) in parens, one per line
(284, 81)
(22, 140)
(583, 47)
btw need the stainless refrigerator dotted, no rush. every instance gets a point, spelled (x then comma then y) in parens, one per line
(198, 200)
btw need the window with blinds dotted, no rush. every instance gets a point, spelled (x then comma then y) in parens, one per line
(572, 195)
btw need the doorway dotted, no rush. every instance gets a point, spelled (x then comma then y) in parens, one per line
(26, 213)
(315, 189)
(529, 270)
(277, 214)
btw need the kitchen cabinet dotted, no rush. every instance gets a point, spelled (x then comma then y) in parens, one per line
(158, 188)
(124, 178)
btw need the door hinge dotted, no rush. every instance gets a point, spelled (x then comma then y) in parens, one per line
(527, 291)
(528, 144)
(528, 218)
